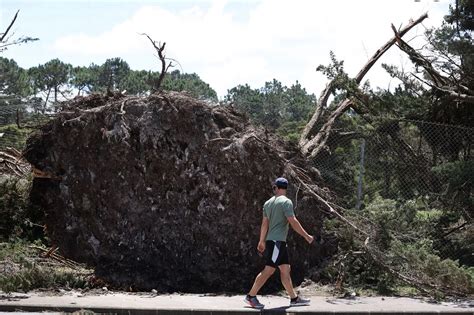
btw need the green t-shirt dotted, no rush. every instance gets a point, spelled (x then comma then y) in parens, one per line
(277, 210)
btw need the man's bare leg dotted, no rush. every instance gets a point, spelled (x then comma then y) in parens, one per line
(260, 280)
(286, 280)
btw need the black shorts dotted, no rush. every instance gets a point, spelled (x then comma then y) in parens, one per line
(276, 254)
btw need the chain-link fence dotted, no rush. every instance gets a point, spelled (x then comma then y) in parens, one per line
(408, 185)
(393, 158)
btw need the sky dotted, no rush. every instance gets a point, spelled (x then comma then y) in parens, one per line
(226, 43)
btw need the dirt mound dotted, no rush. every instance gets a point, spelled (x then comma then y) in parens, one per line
(164, 191)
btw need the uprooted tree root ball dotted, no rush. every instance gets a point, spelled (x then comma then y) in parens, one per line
(166, 192)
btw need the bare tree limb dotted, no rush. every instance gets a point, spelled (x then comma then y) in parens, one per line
(457, 228)
(164, 67)
(449, 91)
(458, 96)
(384, 48)
(441, 83)
(322, 200)
(308, 144)
(420, 60)
(320, 106)
(4, 35)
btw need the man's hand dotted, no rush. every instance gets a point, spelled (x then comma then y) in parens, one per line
(261, 247)
(309, 239)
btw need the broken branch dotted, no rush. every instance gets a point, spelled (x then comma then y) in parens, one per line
(4, 35)
(164, 67)
(439, 82)
(307, 143)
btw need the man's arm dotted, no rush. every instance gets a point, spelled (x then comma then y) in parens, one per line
(263, 234)
(296, 225)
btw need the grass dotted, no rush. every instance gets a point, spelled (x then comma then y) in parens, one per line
(22, 269)
(12, 136)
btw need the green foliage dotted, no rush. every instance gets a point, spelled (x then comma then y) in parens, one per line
(247, 100)
(13, 136)
(85, 78)
(115, 74)
(45, 85)
(404, 101)
(51, 75)
(457, 178)
(13, 79)
(13, 206)
(14, 87)
(22, 272)
(112, 75)
(419, 258)
(274, 106)
(18, 218)
(456, 174)
(42, 277)
(136, 83)
(414, 204)
(189, 82)
(299, 103)
(462, 14)
(52, 79)
(291, 130)
(401, 238)
(428, 216)
(342, 83)
(455, 36)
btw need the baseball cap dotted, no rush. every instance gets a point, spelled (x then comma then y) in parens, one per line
(281, 182)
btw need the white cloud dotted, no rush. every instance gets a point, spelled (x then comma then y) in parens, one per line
(278, 39)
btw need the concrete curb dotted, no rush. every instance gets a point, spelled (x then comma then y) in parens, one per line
(147, 304)
(130, 311)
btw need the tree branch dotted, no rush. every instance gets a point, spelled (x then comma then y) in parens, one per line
(9, 27)
(307, 143)
(440, 82)
(449, 91)
(164, 67)
(384, 48)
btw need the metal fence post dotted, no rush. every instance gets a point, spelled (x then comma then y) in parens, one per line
(361, 174)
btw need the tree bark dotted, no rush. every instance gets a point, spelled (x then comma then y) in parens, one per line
(43, 110)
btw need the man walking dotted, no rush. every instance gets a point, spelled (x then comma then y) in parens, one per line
(278, 214)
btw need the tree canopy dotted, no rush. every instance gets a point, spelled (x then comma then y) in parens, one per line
(54, 81)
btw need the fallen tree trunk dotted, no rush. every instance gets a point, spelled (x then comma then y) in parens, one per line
(311, 142)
